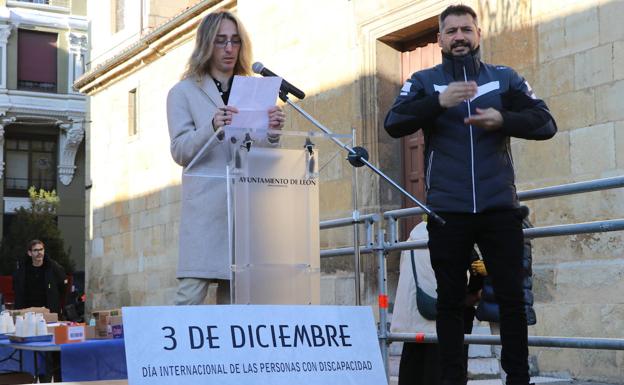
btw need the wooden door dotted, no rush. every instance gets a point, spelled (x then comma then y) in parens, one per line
(419, 58)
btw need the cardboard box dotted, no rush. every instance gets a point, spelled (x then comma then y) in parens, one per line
(114, 326)
(103, 329)
(47, 316)
(110, 327)
(50, 317)
(103, 313)
(67, 334)
(43, 310)
(90, 332)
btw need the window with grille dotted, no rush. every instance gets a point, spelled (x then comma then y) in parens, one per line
(54, 3)
(29, 162)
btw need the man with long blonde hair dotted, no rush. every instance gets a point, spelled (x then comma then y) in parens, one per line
(197, 107)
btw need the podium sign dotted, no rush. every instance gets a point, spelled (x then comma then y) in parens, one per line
(252, 344)
(274, 221)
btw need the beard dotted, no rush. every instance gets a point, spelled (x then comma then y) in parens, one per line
(461, 44)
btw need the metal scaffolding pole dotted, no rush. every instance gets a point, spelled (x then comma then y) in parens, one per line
(552, 342)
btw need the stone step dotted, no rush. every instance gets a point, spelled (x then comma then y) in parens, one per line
(483, 368)
(535, 380)
(479, 366)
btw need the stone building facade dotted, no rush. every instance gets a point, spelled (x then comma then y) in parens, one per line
(348, 57)
(43, 49)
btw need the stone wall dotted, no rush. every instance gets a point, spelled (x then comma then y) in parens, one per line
(569, 52)
(135, 198)
(572, 53)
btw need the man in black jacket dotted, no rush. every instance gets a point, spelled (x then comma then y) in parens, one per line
(468, 110)
(38, 281)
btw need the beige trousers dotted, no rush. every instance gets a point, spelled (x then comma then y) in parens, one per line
(193, 291)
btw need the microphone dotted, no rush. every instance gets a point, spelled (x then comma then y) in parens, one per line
(309, 146)
(247, 142)
(286, 87)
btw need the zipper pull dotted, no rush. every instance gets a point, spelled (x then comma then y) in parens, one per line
(467, 100)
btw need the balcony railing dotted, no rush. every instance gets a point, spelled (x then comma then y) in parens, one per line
(19, 186)
(43, 3)
(26, 85)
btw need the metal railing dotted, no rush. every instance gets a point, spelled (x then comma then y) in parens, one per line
(551, 342)
(380, 246)
(368, 221)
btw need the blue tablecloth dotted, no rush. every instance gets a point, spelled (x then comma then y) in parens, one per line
(9, 360)
(91, 360)
(94, 360)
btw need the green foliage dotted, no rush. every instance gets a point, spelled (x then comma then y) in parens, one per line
(36, 222)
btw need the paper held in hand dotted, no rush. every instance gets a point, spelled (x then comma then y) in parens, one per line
(253, 96)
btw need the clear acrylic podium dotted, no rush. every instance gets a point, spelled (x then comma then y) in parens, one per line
(273, 215)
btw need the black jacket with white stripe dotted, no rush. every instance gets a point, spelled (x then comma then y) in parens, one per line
(469, 169)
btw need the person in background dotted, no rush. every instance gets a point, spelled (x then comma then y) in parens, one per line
(197, 107)
(39, 281)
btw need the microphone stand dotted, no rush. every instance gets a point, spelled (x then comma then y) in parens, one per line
(358, 157)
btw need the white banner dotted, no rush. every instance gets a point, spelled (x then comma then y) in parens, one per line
(252, 344)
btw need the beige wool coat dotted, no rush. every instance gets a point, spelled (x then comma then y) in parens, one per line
(405, 317)
(203, 250)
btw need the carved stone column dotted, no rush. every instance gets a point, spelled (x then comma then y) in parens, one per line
(77, 55)
(3, 123)
(72, 135)
(5, 32)
(1, 151)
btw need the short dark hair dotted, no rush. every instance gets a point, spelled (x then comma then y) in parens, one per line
(457, 10)
(34, 242)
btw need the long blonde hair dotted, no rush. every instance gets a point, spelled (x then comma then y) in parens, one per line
(199, 63)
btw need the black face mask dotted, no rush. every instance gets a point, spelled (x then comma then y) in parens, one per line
(455, 65)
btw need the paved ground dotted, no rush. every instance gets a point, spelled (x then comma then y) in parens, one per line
(536, 380)
(542, 380)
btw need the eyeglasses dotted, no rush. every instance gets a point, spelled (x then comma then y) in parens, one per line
(37, 250)
(224, 43)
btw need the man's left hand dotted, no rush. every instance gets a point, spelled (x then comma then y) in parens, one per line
(489, 119)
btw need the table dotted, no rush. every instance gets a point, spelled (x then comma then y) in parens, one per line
(91, 360)
(10, 363)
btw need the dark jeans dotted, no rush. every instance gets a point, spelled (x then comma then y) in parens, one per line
(499, 237)
(420, 363)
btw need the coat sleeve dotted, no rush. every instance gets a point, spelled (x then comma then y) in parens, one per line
(186, 135)
(413, 109)
(18, 286)
(60, 280)
(524, 115)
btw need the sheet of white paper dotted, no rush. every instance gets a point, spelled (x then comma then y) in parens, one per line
(253, 96)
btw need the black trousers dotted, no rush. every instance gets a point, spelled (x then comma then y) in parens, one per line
(420, 363)
(500, 239)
